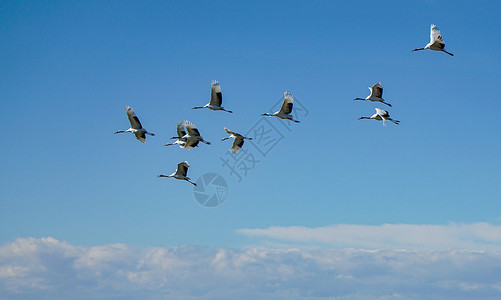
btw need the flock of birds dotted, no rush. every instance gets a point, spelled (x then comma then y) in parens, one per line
(188, 136)
(436, 44)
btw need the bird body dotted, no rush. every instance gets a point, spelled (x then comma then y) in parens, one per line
(135, 126)
(285, 110)
(436, 41)
(239, 140)
(216, 98)
(376, 94)
(381, 115)
(181, 172)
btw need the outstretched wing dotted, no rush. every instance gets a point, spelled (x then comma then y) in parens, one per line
(377, 90)
(190, 144)
(140, 135)
(383, 113)
(230, 132)
(237, 145)
(435, 35)
(216, 97)
(182, 168)
(287, 105)
(192, 129)
(180, 130)
(133, 119)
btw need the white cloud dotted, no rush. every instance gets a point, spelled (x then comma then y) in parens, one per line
(387, 236)
(46, 268)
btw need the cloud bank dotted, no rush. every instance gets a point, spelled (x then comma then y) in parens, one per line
(387, 236)
(46, 268)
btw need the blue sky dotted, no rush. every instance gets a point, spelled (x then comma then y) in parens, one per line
(69, 69)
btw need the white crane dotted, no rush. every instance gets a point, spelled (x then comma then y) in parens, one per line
(193, 134)
(381, 115)
(436, 41)
(135, 126)
(376, 94)
(181, 172)
(285, 110)
(239, 140)
(216, 98)
(181, 140)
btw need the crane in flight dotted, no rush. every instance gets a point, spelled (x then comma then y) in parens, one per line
(376, 94)
(216, 98)
(436, 41)
(181, 172)
(189, 138)
(381, 115)
(285, 110)
(239, 140)
(181, 140)
(135, 126)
